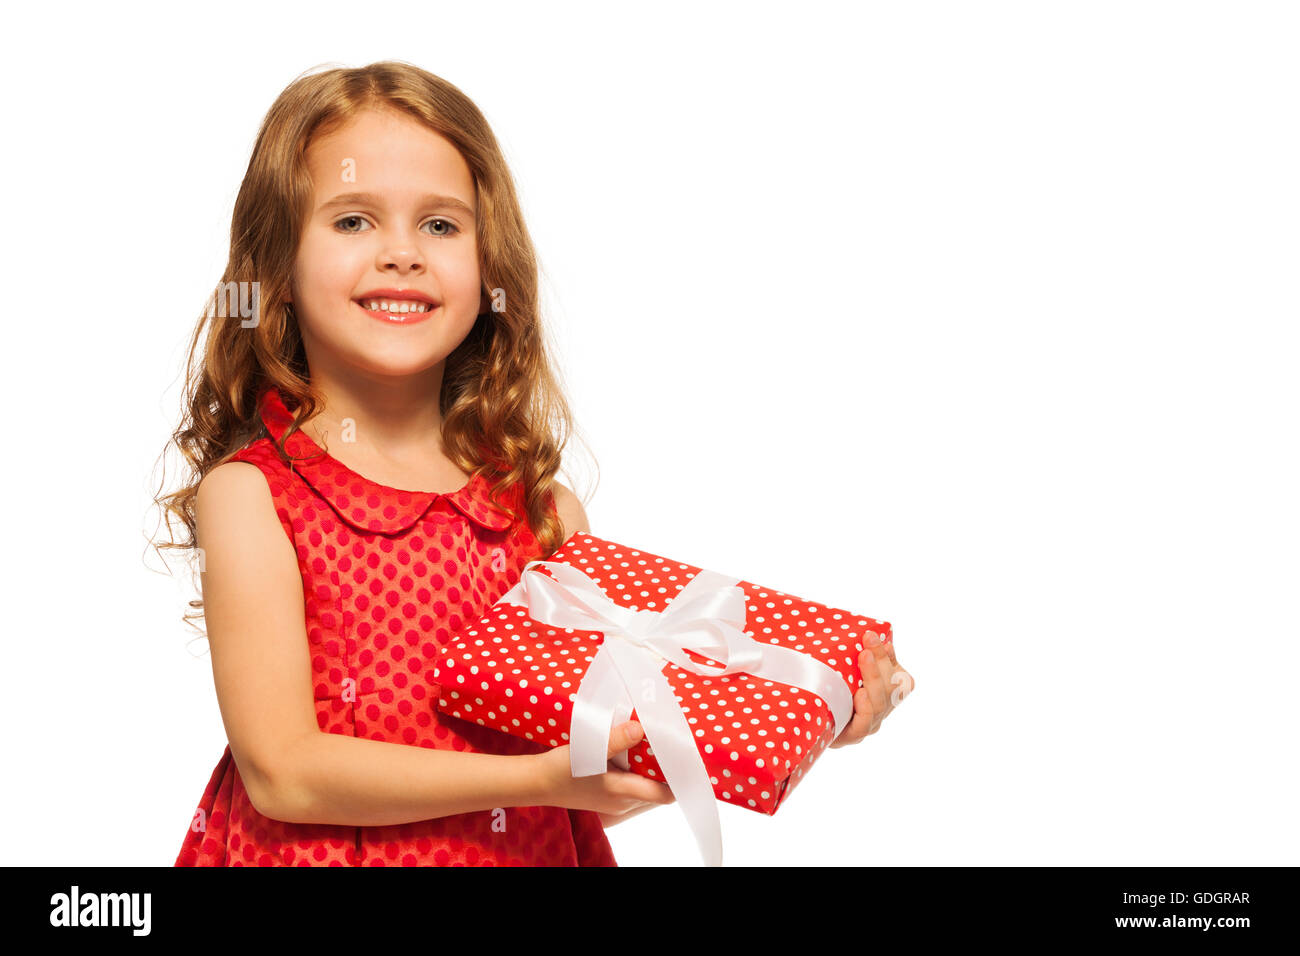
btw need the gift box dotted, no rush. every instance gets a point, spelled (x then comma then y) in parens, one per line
(738, 687)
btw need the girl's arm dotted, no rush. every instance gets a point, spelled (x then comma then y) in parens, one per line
(292, 770)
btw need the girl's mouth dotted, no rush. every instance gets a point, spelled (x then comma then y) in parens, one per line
(397, 311)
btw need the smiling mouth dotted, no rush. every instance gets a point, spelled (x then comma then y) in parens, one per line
(396, 307)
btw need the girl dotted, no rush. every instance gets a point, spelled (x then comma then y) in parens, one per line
(374, 447)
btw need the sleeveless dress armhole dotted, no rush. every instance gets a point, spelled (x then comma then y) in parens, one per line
(260, 453)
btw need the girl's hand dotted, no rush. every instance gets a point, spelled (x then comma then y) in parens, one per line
(884, 685)
(616, 794)
(609, 819)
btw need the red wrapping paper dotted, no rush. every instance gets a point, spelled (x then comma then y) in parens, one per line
(757, 737)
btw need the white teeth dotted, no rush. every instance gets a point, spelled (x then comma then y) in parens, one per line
(398, 307)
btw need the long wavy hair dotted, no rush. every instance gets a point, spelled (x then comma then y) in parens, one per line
(504, 414)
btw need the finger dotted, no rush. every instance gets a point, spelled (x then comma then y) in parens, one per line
(629, 814)
(874, 684)
(884, 654)
(654, 791)
(627, 783)
(877, 719)
(883, 658)
(884, 643)
(624, 736)
(902, 685)
(860, 722)
(887, 671)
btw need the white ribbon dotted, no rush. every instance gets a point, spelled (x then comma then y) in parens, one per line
(708, 617)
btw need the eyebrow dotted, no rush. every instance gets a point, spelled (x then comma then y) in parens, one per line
(370, 199)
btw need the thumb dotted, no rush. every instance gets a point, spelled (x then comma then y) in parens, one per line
(624, 736)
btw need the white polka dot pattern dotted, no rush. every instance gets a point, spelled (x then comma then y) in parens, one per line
(757, 737)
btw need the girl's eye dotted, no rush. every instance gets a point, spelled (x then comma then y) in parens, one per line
(451, 227)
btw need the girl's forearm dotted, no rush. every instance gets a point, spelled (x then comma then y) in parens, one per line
(352, 781)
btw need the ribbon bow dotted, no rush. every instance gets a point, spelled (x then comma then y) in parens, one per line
(708, 617)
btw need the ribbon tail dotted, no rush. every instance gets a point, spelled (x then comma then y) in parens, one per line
(674, 747)
(621, 714)
(600, 696)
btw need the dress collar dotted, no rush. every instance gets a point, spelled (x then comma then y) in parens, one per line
(364, 504)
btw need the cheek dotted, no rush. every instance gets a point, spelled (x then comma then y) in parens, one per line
(461, 271)
(323, 267)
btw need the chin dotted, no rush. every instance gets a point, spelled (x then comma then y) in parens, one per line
(398, 366)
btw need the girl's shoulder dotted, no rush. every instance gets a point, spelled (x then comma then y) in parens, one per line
(235, 495)
(235, 491)
(262, 453)
(280, 476)
(568, 507)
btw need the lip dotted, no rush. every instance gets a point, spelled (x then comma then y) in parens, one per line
(396, 295)
(410, 318)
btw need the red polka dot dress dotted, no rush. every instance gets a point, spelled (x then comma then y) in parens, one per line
(388, 576)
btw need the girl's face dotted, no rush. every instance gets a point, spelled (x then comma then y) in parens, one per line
(393, 209)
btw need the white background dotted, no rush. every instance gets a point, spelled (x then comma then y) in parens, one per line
(976, 318)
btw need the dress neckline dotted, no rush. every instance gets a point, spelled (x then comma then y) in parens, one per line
(362, 502)
(321, 450)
